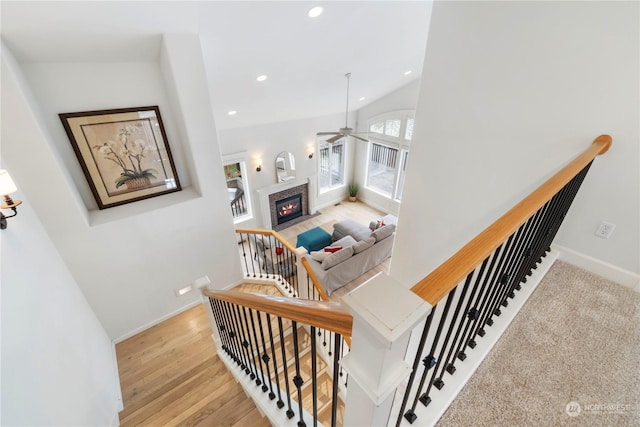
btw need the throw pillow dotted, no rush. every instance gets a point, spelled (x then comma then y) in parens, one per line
(363, 244)
(279, 250)
(332, 249)
(384, 232)
(337, 257)
(319, 255)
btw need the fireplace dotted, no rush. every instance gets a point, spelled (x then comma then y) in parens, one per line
(289, 208)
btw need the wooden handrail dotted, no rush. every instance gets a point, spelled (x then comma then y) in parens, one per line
(322, 314)
(267, 233)
(444, 278)
(314, 279)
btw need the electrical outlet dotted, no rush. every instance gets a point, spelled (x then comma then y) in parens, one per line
(605, 230)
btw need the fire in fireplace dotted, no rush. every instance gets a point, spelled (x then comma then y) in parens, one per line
(289, 208)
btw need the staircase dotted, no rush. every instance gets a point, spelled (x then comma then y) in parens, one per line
(303, 384)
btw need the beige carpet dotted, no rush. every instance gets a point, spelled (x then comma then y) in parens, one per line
(576, 340)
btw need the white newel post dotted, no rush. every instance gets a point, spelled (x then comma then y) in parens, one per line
(384, 313)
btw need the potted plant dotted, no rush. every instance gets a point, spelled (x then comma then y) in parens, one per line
(353, 191)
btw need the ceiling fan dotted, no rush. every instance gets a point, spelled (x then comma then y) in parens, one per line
(346, 130)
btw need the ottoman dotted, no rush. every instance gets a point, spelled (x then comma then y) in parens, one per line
(314, 239)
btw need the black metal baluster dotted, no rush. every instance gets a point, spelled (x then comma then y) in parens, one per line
(439, 383)
(425, 399)
(314, 380)
(234, 335)
(491, 290)
(245, 344)
(222, 328)
(254, 354)
(473, 314)
(334, 386)
(297, 379)
(290, 413)
(410, 414)
(449, 362)
(244, 252)
(265, 358)
(258, 352)
(280, 403)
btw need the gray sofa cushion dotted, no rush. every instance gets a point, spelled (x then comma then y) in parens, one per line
(345, 242)
(363, 244)
(349, 227)
(384, 232)
(337, 257)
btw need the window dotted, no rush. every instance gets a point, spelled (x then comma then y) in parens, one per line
(331, 164)
(237, 187)
(390, 136)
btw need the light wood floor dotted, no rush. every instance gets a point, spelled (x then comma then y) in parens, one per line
(170, 374)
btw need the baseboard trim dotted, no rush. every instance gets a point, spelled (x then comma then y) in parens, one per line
(598, 267)
(159, 320)
(119, 404)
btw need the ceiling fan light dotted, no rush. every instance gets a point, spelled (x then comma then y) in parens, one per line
(314, 12)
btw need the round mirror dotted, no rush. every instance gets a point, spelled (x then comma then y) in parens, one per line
(285, 166)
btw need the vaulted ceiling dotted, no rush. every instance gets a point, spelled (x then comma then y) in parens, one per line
(305, 59)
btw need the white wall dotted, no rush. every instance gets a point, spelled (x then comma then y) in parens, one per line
(266, 141)
(510, 92)
(129, 259)
(404, 98)
(58, 364)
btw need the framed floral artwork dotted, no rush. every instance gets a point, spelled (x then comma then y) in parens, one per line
(124, 154)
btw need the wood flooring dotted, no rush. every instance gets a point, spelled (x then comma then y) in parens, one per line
(171, 375)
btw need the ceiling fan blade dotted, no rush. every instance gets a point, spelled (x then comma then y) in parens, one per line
(359, 137)
(335, 138)
(328, 133)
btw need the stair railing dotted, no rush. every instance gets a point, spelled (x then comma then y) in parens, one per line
(468, 291)
(253, 331)
(266, 255)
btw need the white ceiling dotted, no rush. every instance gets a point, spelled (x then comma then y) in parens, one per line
(305, 59)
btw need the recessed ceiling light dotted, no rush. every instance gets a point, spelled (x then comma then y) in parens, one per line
(362, 98)
(315, 12)
(406, 73)
(261, 78)
(232, 113)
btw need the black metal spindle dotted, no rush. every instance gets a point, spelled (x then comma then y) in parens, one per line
(425, 399)
(242, 341)
(235, 336)
(455, 319)
(449, 362)
(334, 386)
(222, 325)
(491, 290)
(410, 414)
(254, 354)
(290, 413)
(265, 358)
(314, 379)
(297, 379)
(276, 374)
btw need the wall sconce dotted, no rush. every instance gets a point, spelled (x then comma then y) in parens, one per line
(7, 187)
(258, 165)
(310, 152)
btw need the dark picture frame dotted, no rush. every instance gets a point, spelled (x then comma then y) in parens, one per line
(124, 154)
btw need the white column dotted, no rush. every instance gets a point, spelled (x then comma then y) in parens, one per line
(384, 313)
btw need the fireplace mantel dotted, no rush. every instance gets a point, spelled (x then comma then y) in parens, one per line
(265, 192)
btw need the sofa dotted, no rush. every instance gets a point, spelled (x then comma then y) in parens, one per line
(361, 250)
